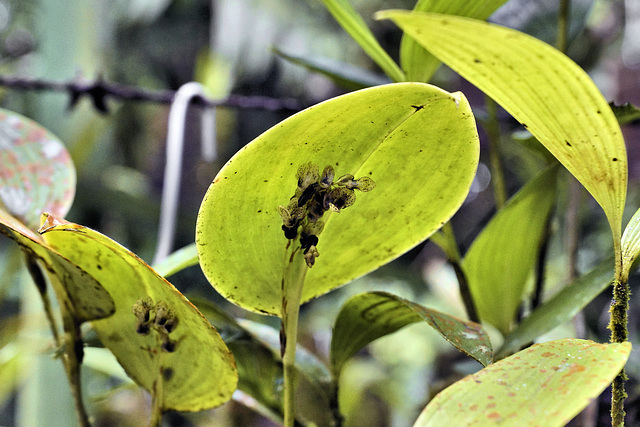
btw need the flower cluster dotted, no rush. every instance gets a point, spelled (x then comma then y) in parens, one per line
(315, 194)
(158, 317)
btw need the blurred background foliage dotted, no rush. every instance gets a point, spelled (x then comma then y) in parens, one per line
(230, 46)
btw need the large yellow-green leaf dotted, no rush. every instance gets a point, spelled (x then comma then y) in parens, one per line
(195, 367)
(352, 22)
(418, 143)
(502, 256)
(543, 89)
(75, 289)
(36, 171)
(544, 385)
(366, 317)
(417, 63)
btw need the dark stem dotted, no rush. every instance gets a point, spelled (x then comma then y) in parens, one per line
(492, 127)
(619, 334)
(99, 91)
(465, 292)
(540, 264)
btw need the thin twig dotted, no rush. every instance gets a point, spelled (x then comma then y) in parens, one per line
(99, 91)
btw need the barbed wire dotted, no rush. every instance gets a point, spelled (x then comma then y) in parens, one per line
(99, 91)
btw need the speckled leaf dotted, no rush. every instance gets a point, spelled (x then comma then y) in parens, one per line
(545, 385)
(561, 308)
(417, 63)
(75, 289)
(502, 256)
(36, 171)
(418, 143)
(369, 316)
(543, 89)
(207, 380)
(631, 242)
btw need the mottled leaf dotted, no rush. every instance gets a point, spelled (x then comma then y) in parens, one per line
(155, 351)
(543, 89)
(36, 171)
(502, 256)
(369, 316)
(416, 142)
(546, 385)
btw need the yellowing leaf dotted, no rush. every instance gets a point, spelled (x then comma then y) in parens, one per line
(502, 256)
(417, 143)
(75, 289)
(543, 89)
(417, 63)
(190, 359)
(544, 385)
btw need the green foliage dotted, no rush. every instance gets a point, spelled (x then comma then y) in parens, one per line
(418, 143)
(321, 198)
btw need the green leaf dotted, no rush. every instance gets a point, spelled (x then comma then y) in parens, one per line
(631, 243)
(345, 75)
(75, 288)
(625, 113)
(417, 63)
(352, 22)
(502, 256)
(177, 261)
(256, 349)
(558, 310)
(543, 89)
(157, 356)
(418, 143)
(36, 171)
(547, 385)
(369, 316)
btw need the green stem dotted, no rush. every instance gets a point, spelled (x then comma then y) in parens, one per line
(294, 273)
(618, 325)
(492, 127)
(563, 25)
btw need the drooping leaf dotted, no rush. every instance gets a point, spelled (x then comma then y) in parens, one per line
(543, 89)
(502, 256)
(558, 310)
(343, 74)
(75, 288)
(417, 63)
(418, 143)
(155, 350)
(352, 22)
(369, 316)
(546, 384)
(36, 171)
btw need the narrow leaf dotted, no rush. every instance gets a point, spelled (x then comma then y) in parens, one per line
(36, 171)
(417, 63)
(560, 309)
(343, 74)
(352, 22)
(502, 256)
(416, 142)
(178, 261)
(369, 316)
(154, 350)
(543, 89)
(546, 385)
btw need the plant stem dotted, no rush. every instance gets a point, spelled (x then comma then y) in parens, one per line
(492, 127)
(563, 25)
(618, 325)
(294, 273)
